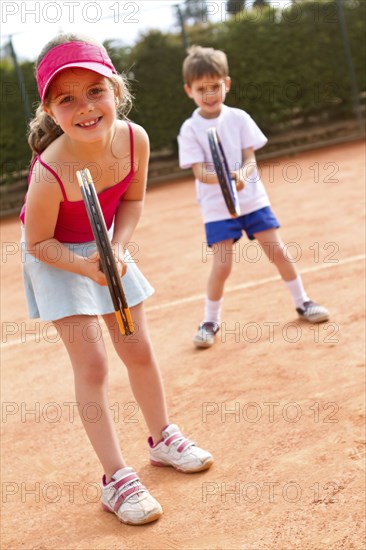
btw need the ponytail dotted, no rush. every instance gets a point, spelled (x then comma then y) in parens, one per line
(42, 131)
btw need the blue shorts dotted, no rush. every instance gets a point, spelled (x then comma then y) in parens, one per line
(233, 228)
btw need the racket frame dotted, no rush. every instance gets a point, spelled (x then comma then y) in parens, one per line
(223, 173)
(107, 260)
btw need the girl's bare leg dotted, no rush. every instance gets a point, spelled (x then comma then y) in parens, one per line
(82, 336)
(137, 354)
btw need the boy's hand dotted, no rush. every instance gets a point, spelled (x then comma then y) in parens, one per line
(239, 180)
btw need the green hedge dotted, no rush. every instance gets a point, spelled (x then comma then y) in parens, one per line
(287, 70)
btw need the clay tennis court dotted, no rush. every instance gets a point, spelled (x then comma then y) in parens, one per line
(278, 402)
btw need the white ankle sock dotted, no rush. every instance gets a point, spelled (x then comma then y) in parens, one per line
(297, 291)
(213, 311)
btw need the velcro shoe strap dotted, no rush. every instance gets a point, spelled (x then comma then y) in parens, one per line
(126, 494)
(172, 438)
(186, 443)
(125, 480)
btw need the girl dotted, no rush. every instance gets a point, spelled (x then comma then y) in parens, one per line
(75, 126)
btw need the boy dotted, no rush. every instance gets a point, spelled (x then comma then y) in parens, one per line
(207, 81)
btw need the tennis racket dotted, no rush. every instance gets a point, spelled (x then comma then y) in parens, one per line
(227, 185)
(104, 247)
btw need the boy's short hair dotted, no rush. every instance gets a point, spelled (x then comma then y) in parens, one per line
(201, 62)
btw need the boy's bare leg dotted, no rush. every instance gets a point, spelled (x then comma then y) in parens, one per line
(220, 270)
(274, 248)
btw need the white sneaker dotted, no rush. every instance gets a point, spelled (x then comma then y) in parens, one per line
(128, 499)
(179, 452)
(313, 312)
(205, 335)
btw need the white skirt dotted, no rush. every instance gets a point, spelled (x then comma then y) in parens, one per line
(53, 293)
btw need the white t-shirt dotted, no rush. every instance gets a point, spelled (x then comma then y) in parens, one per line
(237, 131)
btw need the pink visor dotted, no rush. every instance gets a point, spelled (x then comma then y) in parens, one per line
(72, 54)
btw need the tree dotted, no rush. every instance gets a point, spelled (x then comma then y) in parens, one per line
(193, 12)
(157, 69)
(260, 3)
(235, 6)
(14, 150)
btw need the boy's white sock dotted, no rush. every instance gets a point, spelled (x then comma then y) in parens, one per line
(213, 311)
(297, 291)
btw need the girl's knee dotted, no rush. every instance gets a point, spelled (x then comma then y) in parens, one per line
(94, 372)
(140, 356)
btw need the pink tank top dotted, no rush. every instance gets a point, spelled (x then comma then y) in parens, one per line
(73, 224)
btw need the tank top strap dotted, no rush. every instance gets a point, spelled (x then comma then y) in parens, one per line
(55, 175)
(131, 145)
(30, 172)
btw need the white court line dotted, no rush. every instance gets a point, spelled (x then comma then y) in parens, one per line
(243, 286)
(253, 284)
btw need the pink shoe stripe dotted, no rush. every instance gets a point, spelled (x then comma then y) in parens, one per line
(126, 494)
(159, 464)
(106, 509)
(183, 445)
(124, 480)
(172, 438)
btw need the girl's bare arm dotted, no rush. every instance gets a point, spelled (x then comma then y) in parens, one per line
(131, 205)
(42, 207)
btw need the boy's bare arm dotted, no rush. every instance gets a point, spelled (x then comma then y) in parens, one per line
(249, 163)
(204, 172)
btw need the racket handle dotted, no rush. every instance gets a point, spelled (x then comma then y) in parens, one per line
(129, 320)
(121, 324)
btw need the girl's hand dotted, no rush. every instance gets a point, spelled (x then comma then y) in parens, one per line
(93, 268)
(239, 180)
(119, 255)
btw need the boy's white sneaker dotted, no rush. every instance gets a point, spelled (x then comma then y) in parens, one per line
(205, 335)
(313, 312)
(179, 452)
(124, 496)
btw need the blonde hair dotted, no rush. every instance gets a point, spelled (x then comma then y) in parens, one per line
(42, 129)
(201, 62)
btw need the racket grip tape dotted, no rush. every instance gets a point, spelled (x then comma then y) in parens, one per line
(121, 324)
